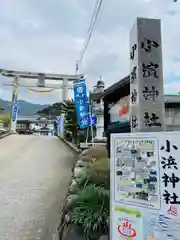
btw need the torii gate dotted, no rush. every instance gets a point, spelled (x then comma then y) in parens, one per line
(41, 78)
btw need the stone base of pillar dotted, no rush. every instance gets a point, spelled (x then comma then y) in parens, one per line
(14, 132)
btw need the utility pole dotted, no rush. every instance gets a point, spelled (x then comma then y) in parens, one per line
(77, 68)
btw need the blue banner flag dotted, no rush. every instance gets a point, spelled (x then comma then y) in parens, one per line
(15, 110)
(94, 119)
(58, 123)
(81, 102)
(80, 90)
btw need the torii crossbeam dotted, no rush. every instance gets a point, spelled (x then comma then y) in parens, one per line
(41, 77)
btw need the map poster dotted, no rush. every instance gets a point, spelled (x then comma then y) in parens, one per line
(145, 186)
(137, 172)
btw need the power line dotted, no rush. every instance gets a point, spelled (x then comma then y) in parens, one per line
(93, 22)
(89, 29)
(90, 26)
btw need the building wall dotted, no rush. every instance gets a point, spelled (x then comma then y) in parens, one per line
(172, 115)
(100, 126)
(98, 109)
(172, 118)
(97, 106)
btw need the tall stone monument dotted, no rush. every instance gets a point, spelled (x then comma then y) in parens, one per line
(146, 77)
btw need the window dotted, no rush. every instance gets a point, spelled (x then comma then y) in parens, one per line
(98, 101)
(21, 126)
(93, 103)
(168, 112)
(177, 112)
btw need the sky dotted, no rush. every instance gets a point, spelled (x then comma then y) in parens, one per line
(48, 35)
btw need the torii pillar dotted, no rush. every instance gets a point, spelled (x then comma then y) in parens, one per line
(14, 105)
(65, 89)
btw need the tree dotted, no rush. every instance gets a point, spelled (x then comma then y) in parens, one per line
(71, 126)
(53, 110)
(5, 118)
(68, 107)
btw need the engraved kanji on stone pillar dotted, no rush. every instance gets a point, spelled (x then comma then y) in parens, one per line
(146, 77)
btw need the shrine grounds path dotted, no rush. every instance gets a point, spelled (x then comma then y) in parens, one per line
(35, 172)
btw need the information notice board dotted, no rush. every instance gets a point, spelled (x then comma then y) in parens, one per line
(145, 186)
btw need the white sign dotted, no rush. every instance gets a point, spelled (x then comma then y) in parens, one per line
(145, 186)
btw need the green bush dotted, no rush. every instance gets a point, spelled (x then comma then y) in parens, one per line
(95, 153)
(98, 173)
(82, 182)
(5, 118)
(91, 211)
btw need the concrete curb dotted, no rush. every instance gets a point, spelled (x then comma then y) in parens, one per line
(70, 145)
(63, 211)
(5, 135)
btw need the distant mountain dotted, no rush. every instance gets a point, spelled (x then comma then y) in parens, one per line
(26, 108)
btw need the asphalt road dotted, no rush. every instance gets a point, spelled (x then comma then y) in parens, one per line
(35, 172)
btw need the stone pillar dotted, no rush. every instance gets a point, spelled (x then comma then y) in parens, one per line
(41, 79)
(65, 89)
(14, 105)
(62, 125)
(146, 77)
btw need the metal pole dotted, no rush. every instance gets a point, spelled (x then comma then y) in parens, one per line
(87, 134)
(90, 115)
(77, 68)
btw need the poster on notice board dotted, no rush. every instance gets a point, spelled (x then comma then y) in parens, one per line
(145, 186)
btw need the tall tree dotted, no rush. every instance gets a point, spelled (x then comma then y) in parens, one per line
(53, 110)
(69, 109)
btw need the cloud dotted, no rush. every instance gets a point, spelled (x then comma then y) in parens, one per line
(47, 36)
(172, 88)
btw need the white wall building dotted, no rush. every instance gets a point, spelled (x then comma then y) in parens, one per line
(98, 107)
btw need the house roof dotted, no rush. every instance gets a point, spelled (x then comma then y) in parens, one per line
(172, 98)
(168, 98)
(115, 86)
(34, 119)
